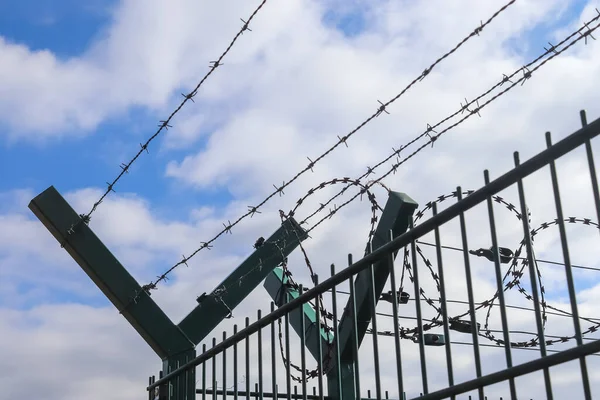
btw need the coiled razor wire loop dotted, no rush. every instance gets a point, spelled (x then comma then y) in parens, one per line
(525, 262)
(325, 315)
(407, 266)
(279, 189)
(474, 107)
(515, 271)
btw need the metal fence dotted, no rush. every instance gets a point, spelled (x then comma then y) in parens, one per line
(247, 364)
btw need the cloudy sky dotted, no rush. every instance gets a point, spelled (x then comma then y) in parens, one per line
(82, 84)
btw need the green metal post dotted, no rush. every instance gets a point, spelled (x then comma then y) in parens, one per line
(396, 217)
(167, 340)
(276, 286)
(213, 308)
(147, 318)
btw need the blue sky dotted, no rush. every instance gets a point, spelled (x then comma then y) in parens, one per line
(291, 86)
(93, 158)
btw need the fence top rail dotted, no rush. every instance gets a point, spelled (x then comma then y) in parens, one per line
(535, 163)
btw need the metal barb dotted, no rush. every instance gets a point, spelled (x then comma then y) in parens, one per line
(381, 109)
(552, 49)
(164, 124)
(478, 30)
(253, 210)
(245, 27)
(280, 189)
(588, 32)
(343, 140)
(526, 74)
(189, 96)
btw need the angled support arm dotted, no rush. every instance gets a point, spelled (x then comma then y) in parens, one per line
(396, 216)
(161, 334)
(276, 286)
(219, 304)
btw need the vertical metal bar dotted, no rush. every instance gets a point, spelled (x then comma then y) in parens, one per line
(177, 381)
(590, 158)
(204, 374)
(387, 395)
(224, 368)
(150, 392)
(247, 361)
(214, 371)
(354, 332)
(474, 332)
(417, 288)
(302, 346)
(336, 334)
(167, 384)
(260, 361)
(296, 392)
(235, 365)
(532, 275)
(369, 393)
(500, 287)
(568, 271)
(314, 388)
(373, 302)
(273, 355)
(443, 305)
(319, 342)
(288, 378)
(256, 393)
(396, 327)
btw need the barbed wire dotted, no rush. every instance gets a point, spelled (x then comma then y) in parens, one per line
(525, 263)
(527, 72)
(341, 140)
(290, 284)
(464, 302)
(538, 260)
(166, 124)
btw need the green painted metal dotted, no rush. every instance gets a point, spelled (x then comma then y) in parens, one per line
(219, 304)
(184, 386)
(275, 284)
(161, 334)
(396, 217)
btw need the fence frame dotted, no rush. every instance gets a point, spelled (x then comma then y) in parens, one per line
(514, 176)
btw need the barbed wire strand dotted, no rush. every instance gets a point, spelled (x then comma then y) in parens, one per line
(431, 129)
(165, 124)
(527, 74)
(518, 258)
(341, 140)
